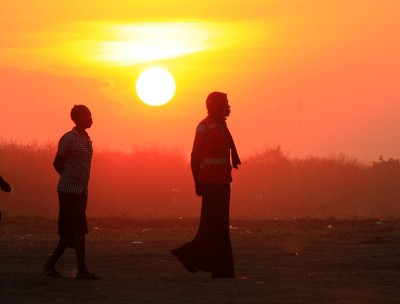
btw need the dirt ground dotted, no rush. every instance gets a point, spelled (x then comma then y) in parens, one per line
(277, 261)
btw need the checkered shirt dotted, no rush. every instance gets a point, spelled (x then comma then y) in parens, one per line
(77, 151)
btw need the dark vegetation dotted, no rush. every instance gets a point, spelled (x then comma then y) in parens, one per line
(157, 183)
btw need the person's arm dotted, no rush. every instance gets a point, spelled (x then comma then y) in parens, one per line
(59, 163)
(4, 185)
(199, 140)
(63, 148)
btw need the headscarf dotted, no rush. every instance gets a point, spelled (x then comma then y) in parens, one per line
(215, 103)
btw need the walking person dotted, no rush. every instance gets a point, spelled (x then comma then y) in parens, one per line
(4, 186)
(73, 162)
(213, 148)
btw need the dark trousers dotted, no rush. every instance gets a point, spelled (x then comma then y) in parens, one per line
(211, 249)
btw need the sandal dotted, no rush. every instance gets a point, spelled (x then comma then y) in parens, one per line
(50, 272)
(87, 276)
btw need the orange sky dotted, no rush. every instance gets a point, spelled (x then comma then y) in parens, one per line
(317, 77)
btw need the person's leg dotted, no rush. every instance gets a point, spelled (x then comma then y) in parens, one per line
(81, 229)
(58, 252)
(49, 267)
(83, 272)
(79, 244)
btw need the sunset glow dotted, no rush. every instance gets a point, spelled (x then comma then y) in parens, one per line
(317, 79)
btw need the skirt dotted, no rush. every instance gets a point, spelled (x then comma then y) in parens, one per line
(72, 213)
(211, 249)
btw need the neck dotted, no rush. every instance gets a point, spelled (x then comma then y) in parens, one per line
(80, 130)
(219, 118)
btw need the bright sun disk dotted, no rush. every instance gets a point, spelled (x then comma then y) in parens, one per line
(155, 86)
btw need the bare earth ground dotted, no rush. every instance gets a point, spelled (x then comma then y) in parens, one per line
(293, 261)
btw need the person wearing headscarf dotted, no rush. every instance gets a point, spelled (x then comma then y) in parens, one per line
(213, 156)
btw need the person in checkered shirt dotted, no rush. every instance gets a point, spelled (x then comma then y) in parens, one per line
(73, 162)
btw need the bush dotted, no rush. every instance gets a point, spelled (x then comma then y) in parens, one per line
(154, 182)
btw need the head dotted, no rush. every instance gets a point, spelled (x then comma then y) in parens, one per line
(81, 116)
(218, 105)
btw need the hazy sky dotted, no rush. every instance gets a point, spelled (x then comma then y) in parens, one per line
(317, 77)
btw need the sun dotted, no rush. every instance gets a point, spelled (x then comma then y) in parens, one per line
(155, 86)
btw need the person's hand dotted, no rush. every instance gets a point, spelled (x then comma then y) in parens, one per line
(4, 185)
(199, 189)
(236, 165)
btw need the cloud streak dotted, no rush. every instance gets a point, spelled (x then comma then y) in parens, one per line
(125, 44)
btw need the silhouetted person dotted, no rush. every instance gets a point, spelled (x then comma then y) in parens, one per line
(213, 146)
(73, 162)
(4, 187)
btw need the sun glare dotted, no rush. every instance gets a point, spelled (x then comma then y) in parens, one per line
(116, 44)
(128, 44)
(138, 43)
(155, 86)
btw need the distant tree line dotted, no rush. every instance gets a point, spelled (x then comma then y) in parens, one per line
(155, 182)
(274, 185)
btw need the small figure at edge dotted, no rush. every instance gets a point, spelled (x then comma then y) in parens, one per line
(4, 187)
(211, 249)
(73, 163)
